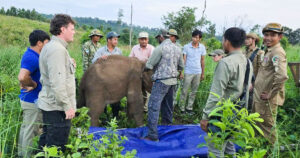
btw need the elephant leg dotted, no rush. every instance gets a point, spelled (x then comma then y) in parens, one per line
(135, 107)
(96, 105)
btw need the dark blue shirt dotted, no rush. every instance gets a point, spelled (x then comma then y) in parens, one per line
(30, 61)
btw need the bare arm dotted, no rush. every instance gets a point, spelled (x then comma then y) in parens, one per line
(184, 59)
(202, 66)
(26, 81)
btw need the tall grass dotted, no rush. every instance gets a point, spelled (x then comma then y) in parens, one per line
(10, 110)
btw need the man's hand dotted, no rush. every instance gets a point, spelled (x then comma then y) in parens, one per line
(104, 57)
(70, 114)
(181, 76)
(28, 88)
(265, 96)
(251, 87)
(204, 125)
(74, 62)
(202, 77)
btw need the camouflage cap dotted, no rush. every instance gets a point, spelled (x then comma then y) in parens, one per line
(217, 52)
(162, 32)
(274, 27)
(173, 32)
(95, 32)
(254, 36)
(143, 35)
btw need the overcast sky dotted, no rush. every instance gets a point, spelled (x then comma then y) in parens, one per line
(149, 12)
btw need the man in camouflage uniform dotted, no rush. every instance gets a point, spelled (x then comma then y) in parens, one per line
(90, 47)
(165, 60)
(174, 37)
(254, 54)
(269, 83)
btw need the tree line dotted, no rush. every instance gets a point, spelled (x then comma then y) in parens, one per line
(23, 13)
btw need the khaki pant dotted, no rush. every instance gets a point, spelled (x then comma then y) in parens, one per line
(193, 81)
(32, 118)
(268, 112)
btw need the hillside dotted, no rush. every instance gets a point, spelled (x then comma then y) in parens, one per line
(15, 31)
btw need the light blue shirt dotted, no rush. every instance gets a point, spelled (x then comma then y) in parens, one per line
(193, 58)
(104, 51)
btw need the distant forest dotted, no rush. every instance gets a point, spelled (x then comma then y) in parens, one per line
(84, 22)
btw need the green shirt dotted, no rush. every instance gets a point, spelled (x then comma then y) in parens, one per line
(228, 81)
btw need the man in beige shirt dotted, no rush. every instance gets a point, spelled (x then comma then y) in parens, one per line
(269, 84)
(57, 97)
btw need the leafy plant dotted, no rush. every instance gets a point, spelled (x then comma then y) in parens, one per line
(81, 144)
(238, 126)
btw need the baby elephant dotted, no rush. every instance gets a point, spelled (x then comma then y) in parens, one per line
(107, 81)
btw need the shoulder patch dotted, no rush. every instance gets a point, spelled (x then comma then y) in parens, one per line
(275, 59)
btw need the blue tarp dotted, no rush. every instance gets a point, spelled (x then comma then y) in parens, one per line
(175, 141)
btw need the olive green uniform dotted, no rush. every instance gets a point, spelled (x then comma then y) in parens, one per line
(270, 78)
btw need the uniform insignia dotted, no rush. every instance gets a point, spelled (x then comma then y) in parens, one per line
(275, 61)
(266, 59)
(87, 50)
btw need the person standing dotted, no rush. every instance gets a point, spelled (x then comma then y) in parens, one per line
(165, 60)
(228, 82)
(194, 60)
(90, 47)
(110, 49)
(143, 51)
(57, 98)
(269, 92)
(173, 35)
(103, 53)
(29, 78)
(254, 54)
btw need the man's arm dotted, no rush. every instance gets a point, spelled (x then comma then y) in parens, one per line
(202, 67)
(154, 58)
(220, 82)
(280, 66)
(25, 80)
(97, 55)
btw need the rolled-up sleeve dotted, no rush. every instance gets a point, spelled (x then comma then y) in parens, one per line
(97, 55)
(58, 77)
(220, 82)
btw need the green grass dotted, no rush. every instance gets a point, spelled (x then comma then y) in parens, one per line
(16, 31)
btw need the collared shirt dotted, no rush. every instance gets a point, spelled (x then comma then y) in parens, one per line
(104, 51)
(228, 81)
(156, 57)
(57, 77)
(143, 54)
(257, 59)
(272, 76)
(193, 58)
(30, 62)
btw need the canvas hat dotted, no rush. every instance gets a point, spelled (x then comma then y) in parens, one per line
(274, 27)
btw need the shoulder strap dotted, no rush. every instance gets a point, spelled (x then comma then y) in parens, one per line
(253, 55)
